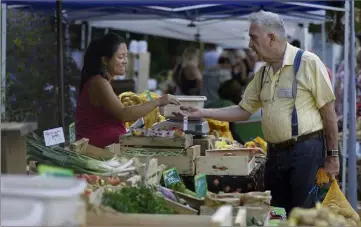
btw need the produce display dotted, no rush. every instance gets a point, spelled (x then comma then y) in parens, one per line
(142, 199)
(318, 216)
(132, 99)
(95, 182)
(224, 143)
(222, 127)
(83, 164)
(257, 142)
(180, 187)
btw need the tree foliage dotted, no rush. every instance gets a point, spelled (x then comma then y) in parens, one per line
(31, 65)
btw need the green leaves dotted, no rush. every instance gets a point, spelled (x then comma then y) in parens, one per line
(136, 200)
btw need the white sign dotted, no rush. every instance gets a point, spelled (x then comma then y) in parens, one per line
(54, 136)
(185, 123)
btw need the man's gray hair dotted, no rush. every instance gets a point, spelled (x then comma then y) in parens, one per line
(270, 21)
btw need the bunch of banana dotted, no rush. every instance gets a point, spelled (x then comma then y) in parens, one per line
(224, 143)
(257, 142)
(132, 99)
(222, 127)
(318, 216)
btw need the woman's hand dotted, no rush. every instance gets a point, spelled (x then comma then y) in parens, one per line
(167, 99)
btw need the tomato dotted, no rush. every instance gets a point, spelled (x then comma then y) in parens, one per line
(92, 179)
(113, 181)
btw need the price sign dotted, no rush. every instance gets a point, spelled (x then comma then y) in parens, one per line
(44, 170)
(185, 123)
(200, 185)
(72, 135)
(54, 136)
(170, 177)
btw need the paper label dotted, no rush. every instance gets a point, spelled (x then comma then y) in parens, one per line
(185, 123)
(200, 185)
(54, 136)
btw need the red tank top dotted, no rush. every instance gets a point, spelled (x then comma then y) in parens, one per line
(96, 123)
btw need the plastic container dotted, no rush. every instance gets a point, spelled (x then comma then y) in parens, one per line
(58, 195)
(168, 110)
(17, 212)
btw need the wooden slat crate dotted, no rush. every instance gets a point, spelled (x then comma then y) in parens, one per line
(223, 217)
(260, 213)
(185, 164)
(144, 141)
(206, 143)
(238, 162)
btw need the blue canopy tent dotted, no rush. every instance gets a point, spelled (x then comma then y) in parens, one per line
(206, 10)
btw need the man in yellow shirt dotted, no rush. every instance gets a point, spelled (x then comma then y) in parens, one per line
(298, 115)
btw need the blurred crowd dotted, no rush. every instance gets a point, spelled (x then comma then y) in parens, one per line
(223, 76)
(220, 76)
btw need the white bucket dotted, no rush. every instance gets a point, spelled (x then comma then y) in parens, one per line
(59, 196)
(17, 212)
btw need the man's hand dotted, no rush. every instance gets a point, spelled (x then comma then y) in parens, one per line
(191, 111)
(332, 166)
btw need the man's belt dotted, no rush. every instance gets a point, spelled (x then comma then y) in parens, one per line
(290, 143)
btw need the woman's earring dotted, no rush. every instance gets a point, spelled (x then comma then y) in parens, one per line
(105, 69)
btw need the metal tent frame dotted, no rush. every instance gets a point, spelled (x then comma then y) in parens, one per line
(203, 10)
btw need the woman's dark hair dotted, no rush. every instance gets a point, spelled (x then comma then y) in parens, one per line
(105, 46)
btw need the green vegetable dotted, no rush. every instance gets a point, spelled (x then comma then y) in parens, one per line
(252, 221)
(57, 156)
(180, 187)
(136, 200)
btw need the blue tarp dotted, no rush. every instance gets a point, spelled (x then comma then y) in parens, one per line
(171, 8)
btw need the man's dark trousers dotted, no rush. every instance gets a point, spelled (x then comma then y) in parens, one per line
(290, 173)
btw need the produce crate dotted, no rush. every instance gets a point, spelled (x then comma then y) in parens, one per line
(82, 146)
(185, 164)
(206, 143)
(222, 217)
(236, 162)
(155, 142)
(256, 213)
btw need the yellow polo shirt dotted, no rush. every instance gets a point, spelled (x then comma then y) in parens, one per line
(275, 98)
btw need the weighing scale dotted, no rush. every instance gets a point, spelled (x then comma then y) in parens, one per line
(196, 127)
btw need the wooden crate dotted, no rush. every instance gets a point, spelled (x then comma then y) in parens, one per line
(82, 146)
(260, 213)
(185, 165)
(157, 142)
(238, 162)
(206, 143)
(223, 217)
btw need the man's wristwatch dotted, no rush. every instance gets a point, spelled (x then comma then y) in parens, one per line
(333, 153)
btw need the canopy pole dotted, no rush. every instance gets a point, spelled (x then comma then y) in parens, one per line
(3, 59)
(345, 98)
(352, 173)
(323, 40)
(60, 63)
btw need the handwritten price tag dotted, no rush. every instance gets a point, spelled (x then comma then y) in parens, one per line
(185, 123)
(200, 185)
(54, 136)
(171, 176)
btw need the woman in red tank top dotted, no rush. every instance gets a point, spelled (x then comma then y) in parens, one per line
(100, 115)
